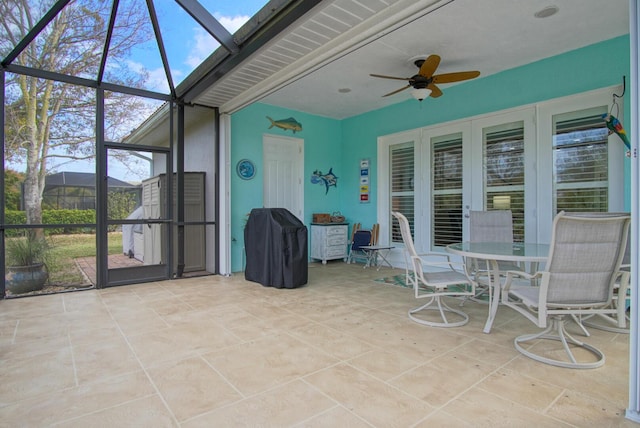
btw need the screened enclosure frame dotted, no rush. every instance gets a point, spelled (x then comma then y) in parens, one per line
(275, 17)
(209, 24)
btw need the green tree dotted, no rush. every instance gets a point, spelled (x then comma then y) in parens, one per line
(45, 118)
(120, 204)
(12, 180)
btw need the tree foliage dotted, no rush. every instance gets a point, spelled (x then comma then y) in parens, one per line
(46, 119)
(120, 204)
(12, 180)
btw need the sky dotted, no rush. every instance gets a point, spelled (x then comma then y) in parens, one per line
(187, 44)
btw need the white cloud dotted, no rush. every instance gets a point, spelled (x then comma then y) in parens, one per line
(156, 79)
(204, 44)
(232, 24)
(137, 67)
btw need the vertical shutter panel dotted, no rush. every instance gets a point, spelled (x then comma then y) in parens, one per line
(402, 186)
(447, 190)
(504, 172)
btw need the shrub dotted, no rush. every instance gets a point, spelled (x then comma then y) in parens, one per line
(26, 251)
(53, 217)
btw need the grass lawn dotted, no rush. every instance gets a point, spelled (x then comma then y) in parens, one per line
(83, 245)
(65, 248)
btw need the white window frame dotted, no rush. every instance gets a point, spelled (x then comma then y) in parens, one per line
(384, 191)
(425, 205)
(537, 119)
(545, 113)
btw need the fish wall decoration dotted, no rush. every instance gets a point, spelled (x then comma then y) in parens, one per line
(329, 179)
(289, 123)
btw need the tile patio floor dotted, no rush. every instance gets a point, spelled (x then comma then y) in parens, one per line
(339, 352)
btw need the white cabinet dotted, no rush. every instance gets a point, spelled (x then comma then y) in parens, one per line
(328, 241)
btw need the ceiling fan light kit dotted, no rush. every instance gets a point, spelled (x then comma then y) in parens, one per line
(421, 93)
(424, 83)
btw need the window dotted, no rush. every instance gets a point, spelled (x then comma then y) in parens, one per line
(580, 161)
(504, 172)
(401, 158)
(534, 160)
(446, 153)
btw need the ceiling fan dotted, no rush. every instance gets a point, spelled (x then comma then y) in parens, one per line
(425, 81)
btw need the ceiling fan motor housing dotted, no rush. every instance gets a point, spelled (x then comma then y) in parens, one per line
(420, 82)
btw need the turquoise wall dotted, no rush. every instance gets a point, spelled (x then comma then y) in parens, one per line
(342, 144)
(585, 69)
(322, 149)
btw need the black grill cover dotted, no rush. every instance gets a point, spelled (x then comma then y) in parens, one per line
(276, 245)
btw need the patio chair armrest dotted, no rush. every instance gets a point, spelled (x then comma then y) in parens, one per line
(523, 274)
(623, 279)
(446, 263)
(433, 254)
(623, 275)
(511, 274)
(623, 283)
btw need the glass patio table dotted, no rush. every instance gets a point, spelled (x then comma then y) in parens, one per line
(493, 252)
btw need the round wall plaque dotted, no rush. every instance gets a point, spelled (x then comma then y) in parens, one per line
(246, 169)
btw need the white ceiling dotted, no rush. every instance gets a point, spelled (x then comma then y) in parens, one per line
(340, 42)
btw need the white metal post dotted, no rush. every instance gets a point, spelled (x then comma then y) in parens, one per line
(633, 411)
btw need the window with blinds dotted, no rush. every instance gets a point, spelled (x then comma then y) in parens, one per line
(580, 161)
(402, 186)
(504, 172)
(446, 153)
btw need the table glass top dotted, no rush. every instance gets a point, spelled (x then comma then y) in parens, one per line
(508, 251)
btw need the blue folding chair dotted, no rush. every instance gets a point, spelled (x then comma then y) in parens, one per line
(361, 238)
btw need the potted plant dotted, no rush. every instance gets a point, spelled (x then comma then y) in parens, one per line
(26, 264)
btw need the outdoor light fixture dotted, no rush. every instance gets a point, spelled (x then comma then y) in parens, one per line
(547, 12)
(421, 93)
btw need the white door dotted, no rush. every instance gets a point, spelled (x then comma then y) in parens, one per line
(283, 170)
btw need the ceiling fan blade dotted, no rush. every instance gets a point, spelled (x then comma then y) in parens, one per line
(397, 90)
(435, 91)
(455, 77)
(429, 66)
(390, 77)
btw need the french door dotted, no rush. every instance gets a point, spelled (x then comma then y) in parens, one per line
(534, 160)
(475, 165)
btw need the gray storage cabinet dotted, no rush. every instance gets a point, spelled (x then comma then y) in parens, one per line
(154, 235)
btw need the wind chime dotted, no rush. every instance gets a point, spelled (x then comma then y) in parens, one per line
(614, 125)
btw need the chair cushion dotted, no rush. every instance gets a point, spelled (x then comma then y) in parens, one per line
(446, 278)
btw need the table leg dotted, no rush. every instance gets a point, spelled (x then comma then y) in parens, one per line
(494, 293)
(370, 254)
(384, 258)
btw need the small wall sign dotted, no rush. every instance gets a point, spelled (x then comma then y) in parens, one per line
(364, 181)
